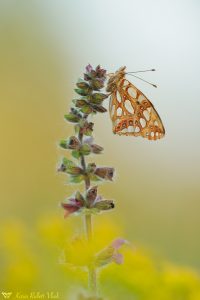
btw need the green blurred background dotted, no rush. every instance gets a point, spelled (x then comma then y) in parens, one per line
(45, 46)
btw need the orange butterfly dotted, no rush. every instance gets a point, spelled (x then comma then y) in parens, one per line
(130, 110)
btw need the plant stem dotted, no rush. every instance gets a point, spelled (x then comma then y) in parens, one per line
(92, 278)
(88, 227)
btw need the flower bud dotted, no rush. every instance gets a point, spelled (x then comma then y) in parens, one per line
(88, 68)
(97, 98)
(87, 128)
(110, 254)
(104, 205)
(91, 167)
(79, 102)
(105, 173)
(69, 209)
(79, 197)
(73, 205)
(96, 148)
(73, 143)
(111, 85)
(86, 77)
(91, 195)
(92, 74)
(96, 84)
(101, 73)
(74, 171)
(99, 108)
(62, 168)
(85, 149)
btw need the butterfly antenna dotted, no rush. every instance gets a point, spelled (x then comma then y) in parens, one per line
(143, 80)
(142, 71)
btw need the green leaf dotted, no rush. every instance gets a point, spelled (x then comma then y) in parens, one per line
(83, 85)
(63, 144)
(83, 92)
(84, 106)
(74, 170)
(87, 109)
(85, 149)
(72, 118)
(76, 178)
(93, 177)
(80, 102)
(97, 98)
(76, 154)
(77, 129)
(71, 168)
(68, 163)
(82, 123)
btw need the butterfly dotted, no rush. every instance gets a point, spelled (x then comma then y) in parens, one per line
(131, 111)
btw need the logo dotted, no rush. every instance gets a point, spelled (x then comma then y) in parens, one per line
(6, 295)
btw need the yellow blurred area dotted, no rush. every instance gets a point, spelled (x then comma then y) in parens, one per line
(31, 259)
(45, 46)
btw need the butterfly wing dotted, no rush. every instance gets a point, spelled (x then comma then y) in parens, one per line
(133, 114)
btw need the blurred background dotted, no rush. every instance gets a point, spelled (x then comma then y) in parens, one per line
(45, 46)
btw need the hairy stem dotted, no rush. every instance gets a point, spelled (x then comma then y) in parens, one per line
(92, 278)
(88, 227)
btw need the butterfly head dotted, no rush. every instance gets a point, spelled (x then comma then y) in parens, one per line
(114, 79)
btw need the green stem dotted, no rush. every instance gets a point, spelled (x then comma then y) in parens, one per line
(92, 278)
(88, 227)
